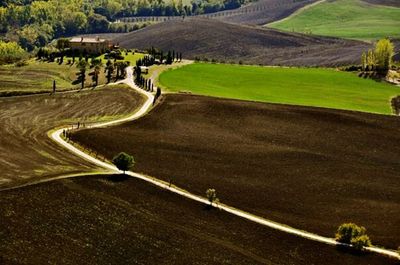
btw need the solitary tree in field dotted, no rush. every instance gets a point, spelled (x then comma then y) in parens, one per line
(384, 51)
(123, 161)
(82, 66)
(110, 70)
(211, 196)
(97, 64)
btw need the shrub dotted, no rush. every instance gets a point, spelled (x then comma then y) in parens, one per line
(360, 242)
(211, 196)
(11, 52)
(123, 161)
(353, 234)
(346, 232)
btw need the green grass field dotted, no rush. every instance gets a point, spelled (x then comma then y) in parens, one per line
(297, 86)
(132, 58)
(352, 19)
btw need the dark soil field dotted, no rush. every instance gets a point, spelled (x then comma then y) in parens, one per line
(94, 220)
(309, 168)
(384, 2)
(27, 153)
(262, 12)
(212, 39)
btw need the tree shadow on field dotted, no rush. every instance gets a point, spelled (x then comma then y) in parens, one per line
(118, 178)
(208, 207)
(351, 251)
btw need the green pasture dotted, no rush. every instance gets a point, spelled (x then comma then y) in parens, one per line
(353, 19)
(297, 86)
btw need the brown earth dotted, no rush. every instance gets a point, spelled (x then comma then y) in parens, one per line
(212, 39)
(27, 153)
(93, 220)
(395, 3)
(262, 12)
(310, 168)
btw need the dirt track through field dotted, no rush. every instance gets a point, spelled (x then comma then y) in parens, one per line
(56, 136)
(309, 168)
(81, 220)
(26, 152)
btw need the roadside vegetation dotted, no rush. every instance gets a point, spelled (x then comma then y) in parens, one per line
(354, 235)
(352, 19)
(123, 161)
(298, 86)
(211, 195)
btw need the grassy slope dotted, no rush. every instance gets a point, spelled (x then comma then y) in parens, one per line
(132, 58)
(298, 86)
(345, 18)
(38, 77)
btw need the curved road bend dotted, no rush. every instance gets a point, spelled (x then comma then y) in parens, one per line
(56, 136)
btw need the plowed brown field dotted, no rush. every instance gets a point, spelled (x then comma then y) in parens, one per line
(309, 168)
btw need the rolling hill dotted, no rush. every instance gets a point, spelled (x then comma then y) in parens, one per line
(262, 11)
(353, 19)
(212, 39)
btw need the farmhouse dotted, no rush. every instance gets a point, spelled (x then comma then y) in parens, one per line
(90, 45)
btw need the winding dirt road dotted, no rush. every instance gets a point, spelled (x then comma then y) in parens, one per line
(56, 136)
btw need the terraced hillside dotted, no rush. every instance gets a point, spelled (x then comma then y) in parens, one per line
(354, 19)
(27, 153)
(207, 38)
(306, 167)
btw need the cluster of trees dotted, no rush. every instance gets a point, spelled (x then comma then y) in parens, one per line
(172, 8)
(161, 57)
(35, 23)
(380, 59)
(353, 235)
(11, 52)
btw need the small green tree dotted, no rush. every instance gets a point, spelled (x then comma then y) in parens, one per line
(350, 233)
(364, 61)
(384, 51)
(123, 161)
(110, 70)
(211, 195)
(96, 64)
(82, 66)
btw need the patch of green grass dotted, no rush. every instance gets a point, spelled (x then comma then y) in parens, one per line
(297, 86)
(352, 19)
(132, 58)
